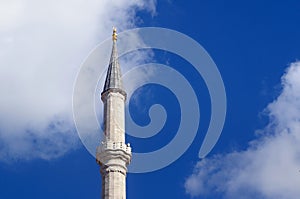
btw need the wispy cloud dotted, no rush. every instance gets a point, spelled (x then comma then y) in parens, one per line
(269, 167)
(42, 44)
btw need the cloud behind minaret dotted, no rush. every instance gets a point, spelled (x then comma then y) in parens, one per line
(42, 44)
(269, 167)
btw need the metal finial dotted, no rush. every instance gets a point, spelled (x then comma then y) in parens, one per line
(114, 35)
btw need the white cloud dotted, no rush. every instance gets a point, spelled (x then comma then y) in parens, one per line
(42, 44)
(270, 167)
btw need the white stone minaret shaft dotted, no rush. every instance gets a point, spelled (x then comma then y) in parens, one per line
(113, 155)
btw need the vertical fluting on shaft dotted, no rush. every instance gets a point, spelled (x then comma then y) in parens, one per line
(113, 155)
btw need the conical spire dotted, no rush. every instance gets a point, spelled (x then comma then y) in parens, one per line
(113, 80)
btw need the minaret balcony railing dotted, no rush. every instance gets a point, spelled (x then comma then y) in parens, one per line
(114, 146)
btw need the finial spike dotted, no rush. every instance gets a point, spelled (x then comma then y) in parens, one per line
(114, 35)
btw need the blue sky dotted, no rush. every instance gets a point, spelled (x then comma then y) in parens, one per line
(253, 43)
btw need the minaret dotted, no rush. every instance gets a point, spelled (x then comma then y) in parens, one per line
(113, 155)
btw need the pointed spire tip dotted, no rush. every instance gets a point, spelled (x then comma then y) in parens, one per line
(113, 81)
(114, 35)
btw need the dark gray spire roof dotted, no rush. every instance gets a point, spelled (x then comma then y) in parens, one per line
(113, 79)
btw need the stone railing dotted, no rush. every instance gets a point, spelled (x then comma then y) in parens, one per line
(114, 146)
